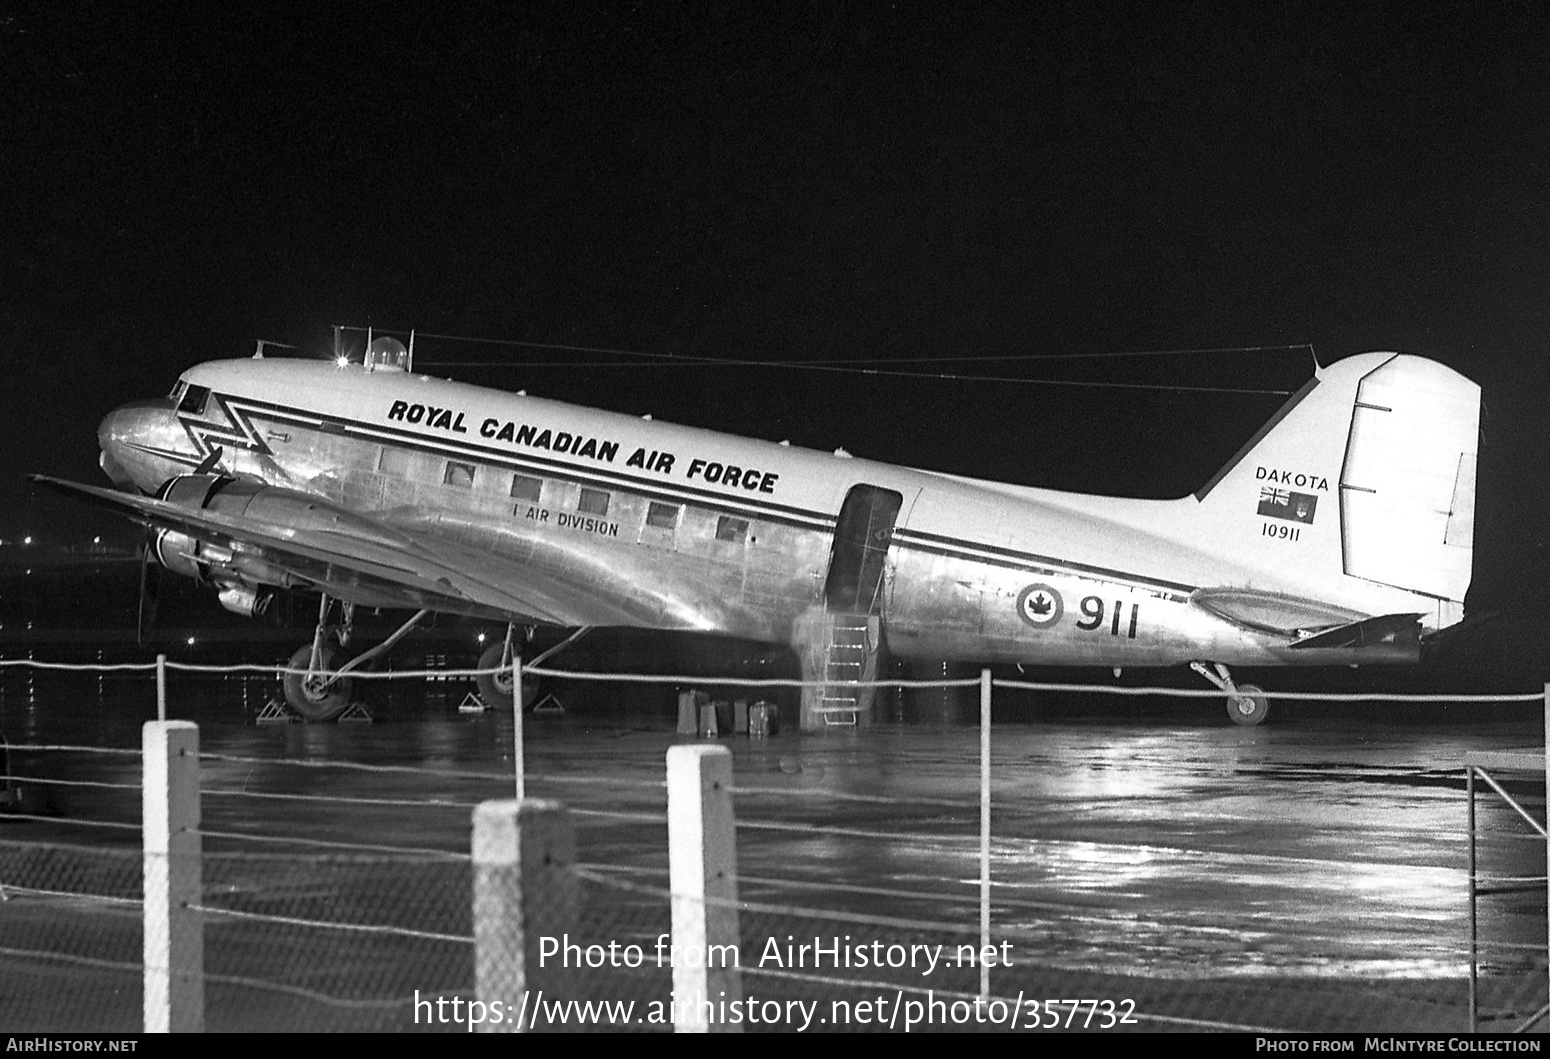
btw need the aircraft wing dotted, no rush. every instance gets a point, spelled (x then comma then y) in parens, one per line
(360, 559)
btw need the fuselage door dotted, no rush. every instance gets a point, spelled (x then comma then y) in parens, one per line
(861, 539)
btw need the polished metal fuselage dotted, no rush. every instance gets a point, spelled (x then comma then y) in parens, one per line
(643, 523)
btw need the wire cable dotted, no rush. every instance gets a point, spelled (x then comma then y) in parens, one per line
(868, 366)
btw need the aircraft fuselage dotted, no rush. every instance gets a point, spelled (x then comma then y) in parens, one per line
(627, 521)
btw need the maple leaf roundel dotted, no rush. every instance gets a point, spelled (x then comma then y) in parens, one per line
(1040, 606)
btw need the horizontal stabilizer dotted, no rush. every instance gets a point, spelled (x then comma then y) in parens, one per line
(1385, 628)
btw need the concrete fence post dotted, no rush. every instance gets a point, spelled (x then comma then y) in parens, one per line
(525, 902)
(984, 833)
(702, 862)
(174, 953)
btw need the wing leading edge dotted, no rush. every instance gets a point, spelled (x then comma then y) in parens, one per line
(355, 558)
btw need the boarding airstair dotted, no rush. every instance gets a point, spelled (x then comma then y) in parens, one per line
(850, 657)
(841, 639)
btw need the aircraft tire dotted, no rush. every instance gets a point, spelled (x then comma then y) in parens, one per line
(1249, 706)
(308, 704)
(495, 688)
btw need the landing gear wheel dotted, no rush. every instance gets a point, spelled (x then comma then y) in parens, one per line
(314, 703)
(1249, 706)
(495, 688)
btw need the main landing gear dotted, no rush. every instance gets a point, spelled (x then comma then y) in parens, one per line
(316, 686)
(1247, 704)
(495, 688)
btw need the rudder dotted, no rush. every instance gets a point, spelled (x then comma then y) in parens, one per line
(1407, 484)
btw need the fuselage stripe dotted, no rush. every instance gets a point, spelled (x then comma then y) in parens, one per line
(526, 462)
(938, 544)
(903, 537)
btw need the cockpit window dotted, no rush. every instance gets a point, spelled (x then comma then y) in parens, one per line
(193, 401)
(177, 390)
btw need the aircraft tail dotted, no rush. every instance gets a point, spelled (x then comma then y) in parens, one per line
(1367, 472)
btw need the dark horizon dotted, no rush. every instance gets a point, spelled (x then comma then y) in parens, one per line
(807, 184)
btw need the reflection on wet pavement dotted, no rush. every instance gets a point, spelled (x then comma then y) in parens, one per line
(1320, 849)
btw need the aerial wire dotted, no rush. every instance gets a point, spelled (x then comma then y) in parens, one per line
(864, 366)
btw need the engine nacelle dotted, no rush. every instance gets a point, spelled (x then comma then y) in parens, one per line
(282, 509)
(248, 602)
(179, 553)
(176, 551)
(238, 574)
(236, 568)
(193, 490)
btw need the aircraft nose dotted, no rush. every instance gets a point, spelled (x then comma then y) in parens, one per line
(125, 436)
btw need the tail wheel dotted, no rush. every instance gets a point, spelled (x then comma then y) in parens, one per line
(1249, 706)
(310, 697)
(495, 688)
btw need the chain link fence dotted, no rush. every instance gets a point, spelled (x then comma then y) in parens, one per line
(318, 915)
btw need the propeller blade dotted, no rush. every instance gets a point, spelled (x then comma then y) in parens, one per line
(209, 463)
(150, 589)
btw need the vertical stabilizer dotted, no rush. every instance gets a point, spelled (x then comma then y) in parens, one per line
(1368, 472)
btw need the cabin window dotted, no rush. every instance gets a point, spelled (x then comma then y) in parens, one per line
(525, 488)
(193, 402)
(459, 474)
(731, 529)
(393, 462)
(593, 502)
(663, 516)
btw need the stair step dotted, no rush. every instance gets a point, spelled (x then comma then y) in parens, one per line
(846, 656)
(837, 715)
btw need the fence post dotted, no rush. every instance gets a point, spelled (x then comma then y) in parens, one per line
(984, 833)
(161, 685)
(174, 952)
(1474, 906)
(702, 863)
(524, 893)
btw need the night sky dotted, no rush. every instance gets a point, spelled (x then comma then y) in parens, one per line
(827, 182)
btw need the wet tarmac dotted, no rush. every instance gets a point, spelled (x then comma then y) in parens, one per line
(1310, 852)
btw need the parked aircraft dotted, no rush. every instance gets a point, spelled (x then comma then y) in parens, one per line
(1340, 535)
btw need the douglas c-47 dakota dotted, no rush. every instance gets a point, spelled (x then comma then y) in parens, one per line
(1341, 534)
